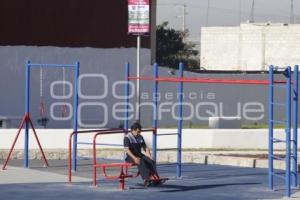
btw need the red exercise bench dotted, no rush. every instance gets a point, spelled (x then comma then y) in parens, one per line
(123, 174)
(123, 166)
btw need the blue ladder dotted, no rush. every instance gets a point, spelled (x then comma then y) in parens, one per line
(178, 148)
(287, 122)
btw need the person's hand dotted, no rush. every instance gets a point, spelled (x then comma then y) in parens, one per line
(137, 160)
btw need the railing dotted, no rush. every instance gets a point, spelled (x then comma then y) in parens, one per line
(83, 132)
(97, 133)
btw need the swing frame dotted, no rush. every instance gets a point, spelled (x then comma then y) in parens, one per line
(26, 119)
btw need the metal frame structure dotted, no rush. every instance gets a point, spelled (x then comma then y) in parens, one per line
(289, 97)
(271, 83)
(156, 80)
(72, 158)
(26, 120)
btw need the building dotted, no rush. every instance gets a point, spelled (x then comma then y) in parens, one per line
(250, 47)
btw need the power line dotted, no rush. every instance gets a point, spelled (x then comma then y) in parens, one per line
(230, 11)
(240, 12)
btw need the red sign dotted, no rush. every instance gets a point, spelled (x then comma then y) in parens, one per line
(138, 16)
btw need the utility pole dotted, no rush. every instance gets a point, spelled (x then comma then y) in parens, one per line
(182, 15)
(240, 11)
(183, 21)
(252, 12)
(292, 21)
(207, 12)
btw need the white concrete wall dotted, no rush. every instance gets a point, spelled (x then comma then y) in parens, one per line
(250, 46)
(219, 47)
(283, 45)
(191, 138)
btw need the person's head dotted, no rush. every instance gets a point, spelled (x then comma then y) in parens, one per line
(136, 128)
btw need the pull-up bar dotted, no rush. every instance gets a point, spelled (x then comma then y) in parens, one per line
(206, 80)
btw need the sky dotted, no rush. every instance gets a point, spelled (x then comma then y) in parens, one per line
(223, 13)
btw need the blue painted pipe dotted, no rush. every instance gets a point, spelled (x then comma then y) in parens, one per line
(295, 126)
(179, 121)
(288, 133)
(27, 110)
(154, 117)
(271, 98)
(53, 65)
(75, 115)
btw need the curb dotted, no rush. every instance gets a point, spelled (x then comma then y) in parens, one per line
(207, 158)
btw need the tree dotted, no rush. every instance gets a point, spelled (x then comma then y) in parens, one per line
(171, 49)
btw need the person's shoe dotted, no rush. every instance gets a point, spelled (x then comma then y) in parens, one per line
(157, 182)
(147, 183)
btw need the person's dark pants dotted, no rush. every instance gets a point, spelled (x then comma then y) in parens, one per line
(146, 167)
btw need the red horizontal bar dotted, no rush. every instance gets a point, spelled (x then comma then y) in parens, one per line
(206, 80)
(98, 130)
(120, 131)
(123, 164)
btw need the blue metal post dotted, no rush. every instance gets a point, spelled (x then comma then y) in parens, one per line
(271, 98)
(154, 120)
(288, 133)
(75, 116)
(295, 126)
(27, 110)
(127, 73)
(179, 121)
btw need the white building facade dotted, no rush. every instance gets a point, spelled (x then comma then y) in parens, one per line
(250, 47)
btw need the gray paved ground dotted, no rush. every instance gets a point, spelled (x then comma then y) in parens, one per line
(198, 182)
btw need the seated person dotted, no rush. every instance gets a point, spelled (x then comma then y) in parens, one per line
(133, 144)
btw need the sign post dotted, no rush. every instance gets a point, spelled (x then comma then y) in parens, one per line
(138, 24)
